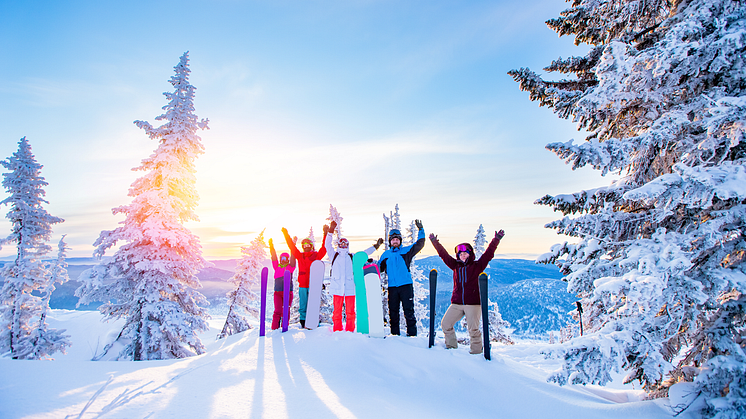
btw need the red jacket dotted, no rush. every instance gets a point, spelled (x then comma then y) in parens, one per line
(304, 259)
(466, 274)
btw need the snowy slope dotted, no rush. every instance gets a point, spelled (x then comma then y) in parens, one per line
(301, 374)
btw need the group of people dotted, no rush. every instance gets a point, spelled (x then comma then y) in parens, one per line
(395, 262)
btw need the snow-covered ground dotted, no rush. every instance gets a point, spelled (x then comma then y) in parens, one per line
(302, 374)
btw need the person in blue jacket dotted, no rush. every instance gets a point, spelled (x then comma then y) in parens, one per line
(395, 263)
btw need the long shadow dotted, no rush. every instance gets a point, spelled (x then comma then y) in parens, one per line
(301, 399)
(257, 402)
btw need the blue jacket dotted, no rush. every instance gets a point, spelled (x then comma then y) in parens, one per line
(395, 261)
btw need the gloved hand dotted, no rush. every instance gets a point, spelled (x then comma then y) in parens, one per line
(284, 230)
(270, 243)
(418, 223)
(332, 226)
(295, 239)
(378, 243)
(499, 234)
(326, 229)
(433, 237)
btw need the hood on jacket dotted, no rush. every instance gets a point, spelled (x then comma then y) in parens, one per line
(469, 249)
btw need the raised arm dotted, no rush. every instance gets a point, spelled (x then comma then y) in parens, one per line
(449, 260)
(489, 253)
(291, 245)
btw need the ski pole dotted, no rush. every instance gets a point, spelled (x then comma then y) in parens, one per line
(580, 316)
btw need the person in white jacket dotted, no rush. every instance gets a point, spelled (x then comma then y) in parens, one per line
(342, 286)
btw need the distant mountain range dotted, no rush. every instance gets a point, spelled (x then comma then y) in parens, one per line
(532, 297)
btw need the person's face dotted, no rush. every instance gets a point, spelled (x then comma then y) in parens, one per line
(307, 247)
(395, 242)
(463, 256)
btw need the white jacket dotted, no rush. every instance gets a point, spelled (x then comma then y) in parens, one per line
(342, 279)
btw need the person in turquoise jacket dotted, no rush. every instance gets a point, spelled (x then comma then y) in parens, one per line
(395, 263)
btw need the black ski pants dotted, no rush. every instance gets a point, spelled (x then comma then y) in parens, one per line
(403, 295)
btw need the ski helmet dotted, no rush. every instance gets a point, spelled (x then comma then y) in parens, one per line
(465, 247)
(394, 233)
(306, 242)
(284, 259)
(343, 243)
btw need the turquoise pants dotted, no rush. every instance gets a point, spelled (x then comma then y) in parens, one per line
(303, 293)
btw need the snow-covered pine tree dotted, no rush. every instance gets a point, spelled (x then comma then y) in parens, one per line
(480, 242)
(152, 275)
(22, 313)
(498, 326)
(335, 216)
(247, 278)
(386, 228)
(310, 237)
(659, 258)
(47, 341)
(421, 287)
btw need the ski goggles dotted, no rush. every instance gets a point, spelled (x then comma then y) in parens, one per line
(462, 248)
(343, 243)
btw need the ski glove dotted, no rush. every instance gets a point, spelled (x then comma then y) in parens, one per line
(378, 243)
(433, 237)
(332, 226)
(270, 244)
(418, 223)
(326, 229)
(499, 234)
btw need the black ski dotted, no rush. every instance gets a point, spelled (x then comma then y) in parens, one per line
(433, 287)
(485, 315)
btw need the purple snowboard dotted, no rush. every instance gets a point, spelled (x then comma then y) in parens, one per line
(286, 301)
(263, 312)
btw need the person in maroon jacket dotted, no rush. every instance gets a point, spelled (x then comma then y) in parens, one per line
(465, 299)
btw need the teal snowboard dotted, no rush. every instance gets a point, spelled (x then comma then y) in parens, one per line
(361, 300)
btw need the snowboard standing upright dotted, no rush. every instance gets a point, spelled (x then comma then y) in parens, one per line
(263, 311)
(433, 290)
(286, 301)
(374, 300)
(315, 283)
(485, 316)
(361, 301)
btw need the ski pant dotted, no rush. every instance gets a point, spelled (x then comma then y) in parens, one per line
(303, 295)
(349, 304)
(277, 315)
(455, 313)
(403, 294)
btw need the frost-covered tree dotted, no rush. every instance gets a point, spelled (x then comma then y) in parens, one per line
(151, 281)
(480, 242)
(310, 237)
(498, 327)
(659, 255)
(23, 330)
(335, 216)
(247, 278)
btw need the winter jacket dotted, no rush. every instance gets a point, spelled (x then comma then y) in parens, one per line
(305, 259)
(279, 274)
(466, 274)
(342, 279)
(396, 260)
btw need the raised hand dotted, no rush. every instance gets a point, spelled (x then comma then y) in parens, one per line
(418, 223)
(499, 234)
(285, 230)
(326, 229)
(433, 236)
(270, 243)
(332, 226)
(378, 243)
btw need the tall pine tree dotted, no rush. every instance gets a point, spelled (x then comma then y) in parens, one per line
(23, 330)
(247, 279)
(153, 273)
(659, 255)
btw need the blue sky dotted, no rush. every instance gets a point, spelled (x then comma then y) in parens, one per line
(359, 104)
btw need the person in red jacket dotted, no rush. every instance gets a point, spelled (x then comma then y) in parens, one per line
(465, 299)
(305, 258)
